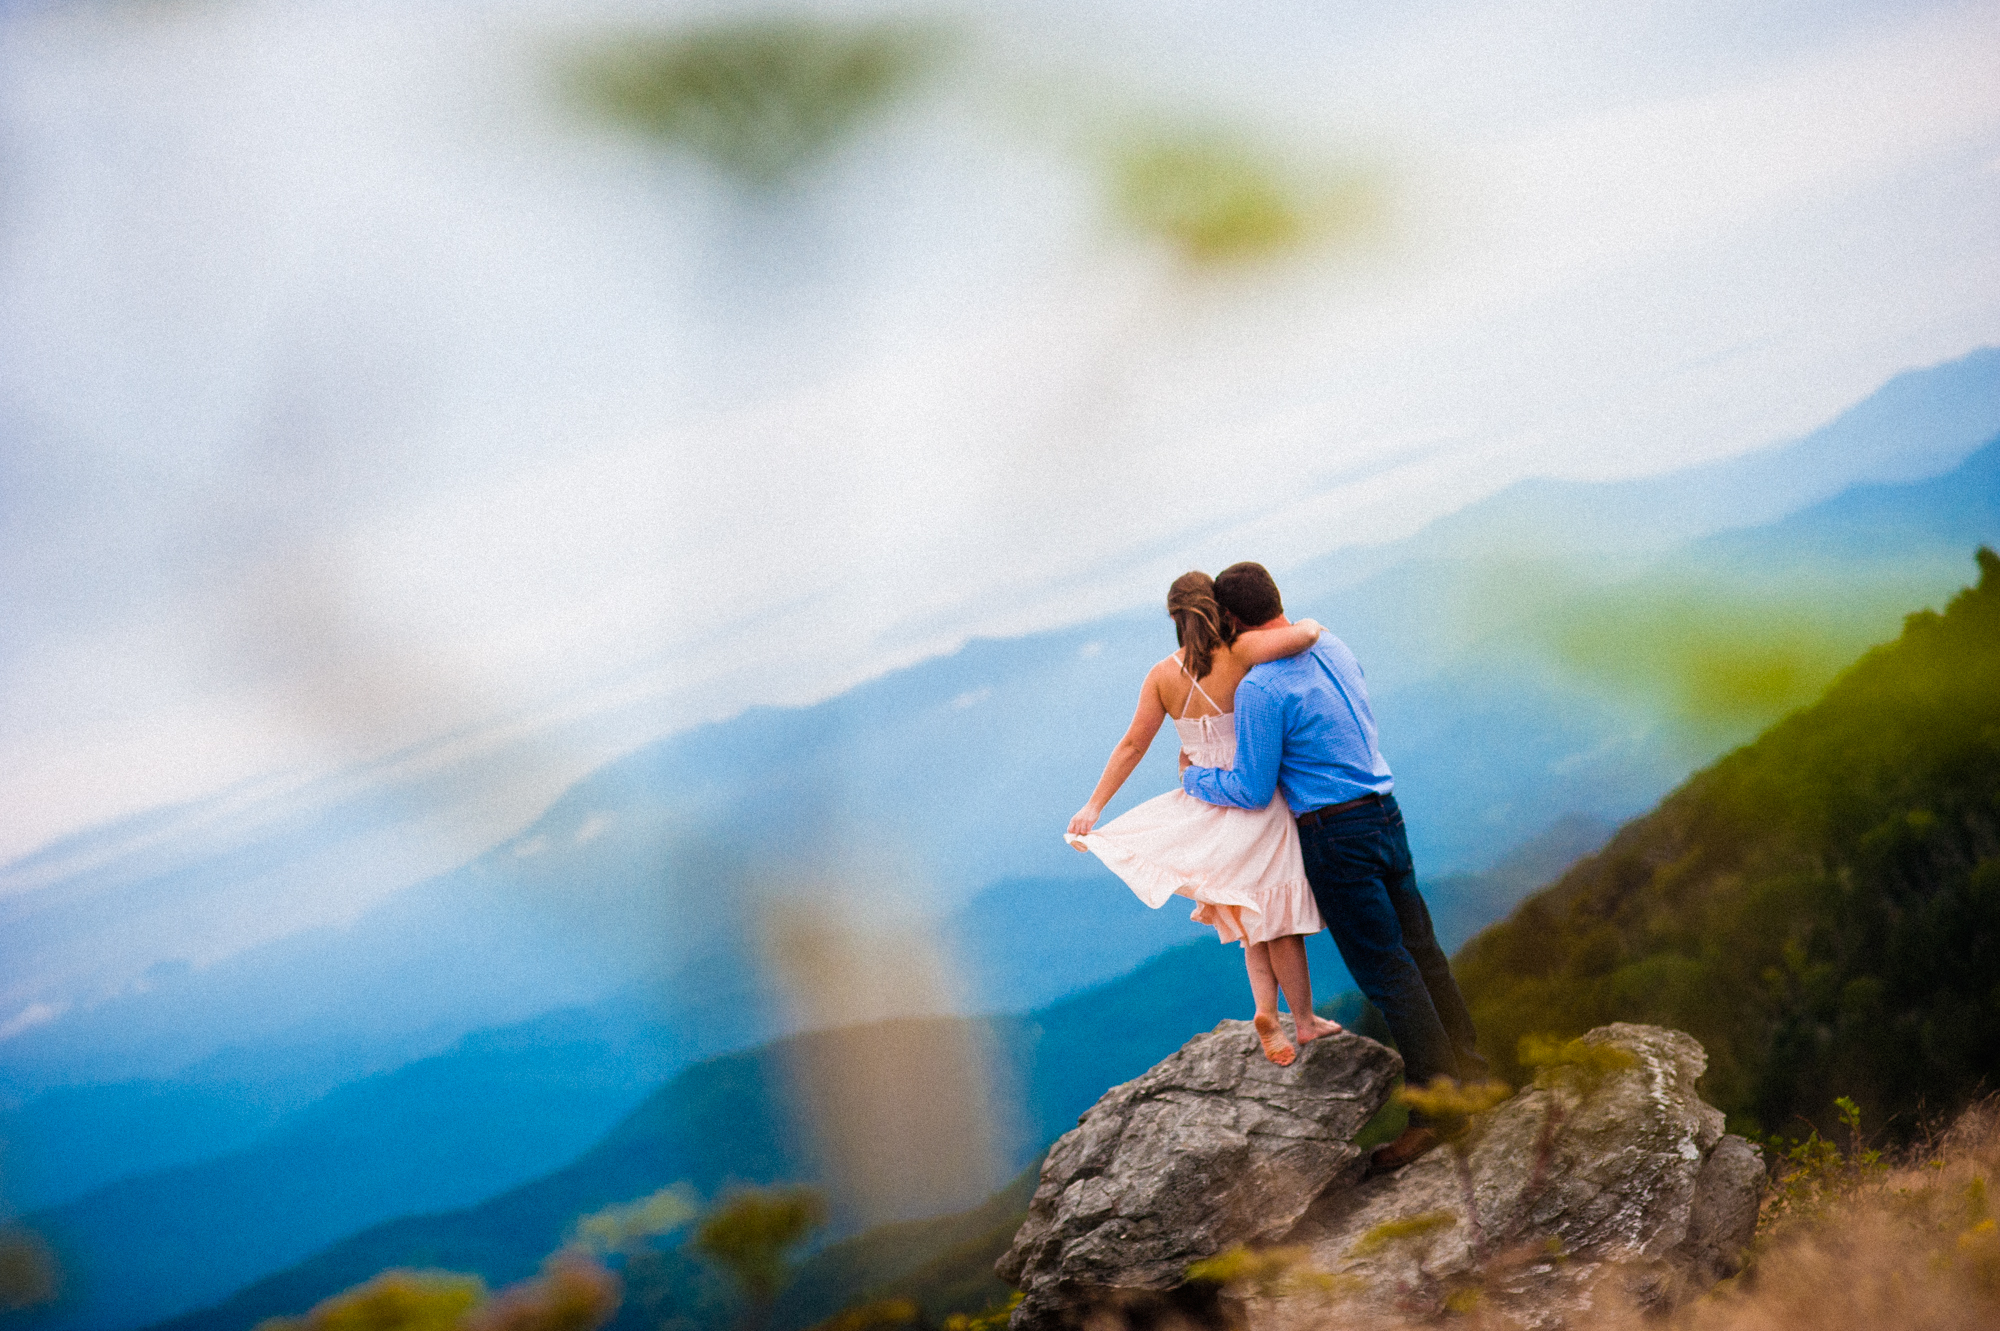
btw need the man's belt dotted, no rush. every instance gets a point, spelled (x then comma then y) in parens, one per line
(1314, 817)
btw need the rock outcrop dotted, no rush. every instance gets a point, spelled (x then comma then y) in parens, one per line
(1611, 1172)
(1213, 1147)
(1632, 1177)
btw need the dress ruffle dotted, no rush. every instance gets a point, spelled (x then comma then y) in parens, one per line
(1240, 866)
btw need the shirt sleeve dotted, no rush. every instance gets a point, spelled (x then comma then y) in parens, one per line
(1260, 740)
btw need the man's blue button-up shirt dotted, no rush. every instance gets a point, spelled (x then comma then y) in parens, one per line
(1303, 726)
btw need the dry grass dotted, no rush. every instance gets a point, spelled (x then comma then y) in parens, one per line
(1912, 1246)
(1845, 1239)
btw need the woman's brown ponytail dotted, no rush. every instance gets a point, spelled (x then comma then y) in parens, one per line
(1200, 626)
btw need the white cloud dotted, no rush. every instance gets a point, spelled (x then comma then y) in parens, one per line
(29, 1017)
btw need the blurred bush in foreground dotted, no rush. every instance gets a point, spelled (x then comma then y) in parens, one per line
(761, 100)
(27, 1271)
(573, 1293)
(1221, 199)
(751, 1234)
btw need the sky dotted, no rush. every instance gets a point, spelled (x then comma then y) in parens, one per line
(370, 405)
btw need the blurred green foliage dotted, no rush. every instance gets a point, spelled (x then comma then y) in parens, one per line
(1449, 1103)
(1821, 908)
(27, 1270)
(617, 1227)
(1718, 656)
(394, 1301)
(873, 1315)
(752, 1233)
(1711, 656)
(1423, 1226)
(993, 1318)
(1263, 1273)
(762, 99)
(1574, 1065)
(1212, 198)
(944, 1264)
(1219, 199)
(573, 1293)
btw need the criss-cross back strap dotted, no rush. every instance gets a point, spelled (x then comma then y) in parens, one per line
(1181, 660)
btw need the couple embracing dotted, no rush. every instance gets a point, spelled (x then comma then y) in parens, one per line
(1266, 707)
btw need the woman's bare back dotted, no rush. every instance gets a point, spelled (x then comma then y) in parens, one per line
(1179, 696)
(1217, 694)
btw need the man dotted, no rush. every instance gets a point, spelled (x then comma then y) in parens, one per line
(1304, 727)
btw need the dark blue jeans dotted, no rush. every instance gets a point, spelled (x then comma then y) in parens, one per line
(1358, 863)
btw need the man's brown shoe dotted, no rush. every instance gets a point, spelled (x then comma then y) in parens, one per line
(1394, 1155)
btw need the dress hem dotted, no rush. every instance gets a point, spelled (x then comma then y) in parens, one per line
(1153, 883)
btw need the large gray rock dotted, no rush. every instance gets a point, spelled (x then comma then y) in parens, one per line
(1212, 1148)
(1637, 1183)
(1617, 1183)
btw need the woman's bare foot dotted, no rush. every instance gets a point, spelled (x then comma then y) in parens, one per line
(1315, 1026)
(1272, 1036)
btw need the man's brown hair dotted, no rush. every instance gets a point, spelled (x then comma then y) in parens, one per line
(1248, 592)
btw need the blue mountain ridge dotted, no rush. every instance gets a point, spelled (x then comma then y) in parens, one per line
(503, 1105)
(545, 1090)
(1060, 1057)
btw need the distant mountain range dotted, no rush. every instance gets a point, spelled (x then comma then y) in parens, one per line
(734, 1118)
(938, 788)
(544, 1090)
(496, 1109)
(1917, 426)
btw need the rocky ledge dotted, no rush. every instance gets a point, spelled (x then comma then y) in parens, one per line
(1609, 1174)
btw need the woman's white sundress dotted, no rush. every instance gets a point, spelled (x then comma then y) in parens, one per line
(1240, 866)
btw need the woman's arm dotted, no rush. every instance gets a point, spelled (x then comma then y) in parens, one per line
(1256, 646)
(1125, 754)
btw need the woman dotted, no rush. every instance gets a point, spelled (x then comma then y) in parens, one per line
(1240, 866)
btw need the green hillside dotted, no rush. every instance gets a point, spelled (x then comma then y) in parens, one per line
(1821, 908)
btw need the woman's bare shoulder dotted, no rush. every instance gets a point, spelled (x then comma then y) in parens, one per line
(1167, 680)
